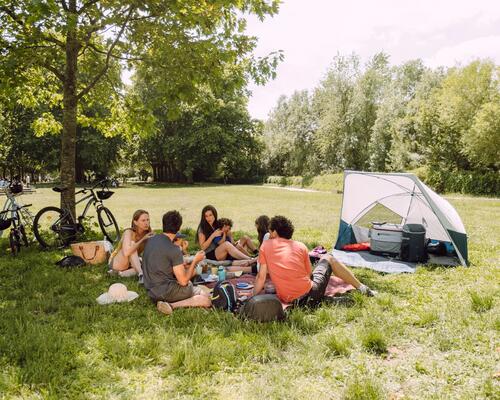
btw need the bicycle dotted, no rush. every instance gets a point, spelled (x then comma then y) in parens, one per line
(17, 235)
(57, 227)
(13, 190)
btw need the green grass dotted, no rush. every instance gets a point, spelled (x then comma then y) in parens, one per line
(430, 335)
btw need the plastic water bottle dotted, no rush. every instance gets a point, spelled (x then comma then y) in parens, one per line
(221, 273)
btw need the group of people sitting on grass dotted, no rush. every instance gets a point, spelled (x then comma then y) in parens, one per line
(167, 277)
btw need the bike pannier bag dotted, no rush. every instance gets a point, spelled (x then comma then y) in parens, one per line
(385, 238)
(91, 252)
(263, 308)
(413, 246)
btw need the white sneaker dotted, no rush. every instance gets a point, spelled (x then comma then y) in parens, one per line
(164, 307)
(367, 291)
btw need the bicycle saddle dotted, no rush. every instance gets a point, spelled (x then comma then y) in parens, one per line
(59, 189)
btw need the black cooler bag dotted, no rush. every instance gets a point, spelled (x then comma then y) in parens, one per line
(413, 246)
(263, 308)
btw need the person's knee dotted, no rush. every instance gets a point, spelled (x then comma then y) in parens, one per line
(328, 257)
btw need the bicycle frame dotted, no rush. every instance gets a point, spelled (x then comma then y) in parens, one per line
(91, 199)
(11, 204)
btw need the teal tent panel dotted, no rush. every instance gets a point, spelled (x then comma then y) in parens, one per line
(345, 236)
(460, 241)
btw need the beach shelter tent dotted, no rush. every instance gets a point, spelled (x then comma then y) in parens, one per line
(406, 198)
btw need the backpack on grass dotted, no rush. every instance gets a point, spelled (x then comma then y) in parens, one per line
(224, 297)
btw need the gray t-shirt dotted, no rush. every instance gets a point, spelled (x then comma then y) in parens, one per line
(159, 257)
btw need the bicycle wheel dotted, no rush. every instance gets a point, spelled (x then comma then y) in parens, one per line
(108, 224)
(14, 246)
(53, 227)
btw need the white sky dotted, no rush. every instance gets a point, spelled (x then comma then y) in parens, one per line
(311, 33)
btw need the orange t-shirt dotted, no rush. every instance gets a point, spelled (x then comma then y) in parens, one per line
(288, 266)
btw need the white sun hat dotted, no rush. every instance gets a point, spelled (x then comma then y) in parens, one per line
(117, 293)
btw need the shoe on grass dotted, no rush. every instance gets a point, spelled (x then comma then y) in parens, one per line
(363, 289)
(112, 272)
(164, 307)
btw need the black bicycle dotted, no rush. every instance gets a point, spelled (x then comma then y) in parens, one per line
(56, 227)
(17, 235)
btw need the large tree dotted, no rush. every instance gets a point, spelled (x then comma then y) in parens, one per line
(188, 38)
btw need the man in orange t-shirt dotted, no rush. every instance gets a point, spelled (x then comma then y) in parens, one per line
(287, 262)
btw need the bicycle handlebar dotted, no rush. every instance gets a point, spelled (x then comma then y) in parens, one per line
(102, 183)
(16, 208)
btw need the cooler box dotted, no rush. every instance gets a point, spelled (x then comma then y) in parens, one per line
(385, 238)
(413, 248)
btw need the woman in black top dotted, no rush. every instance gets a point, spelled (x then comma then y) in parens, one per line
(206, 234)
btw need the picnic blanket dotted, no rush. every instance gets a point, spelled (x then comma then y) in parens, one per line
(335, 287)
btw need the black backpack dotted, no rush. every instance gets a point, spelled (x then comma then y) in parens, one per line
(224, 297)
(71, 261)
(263, 308)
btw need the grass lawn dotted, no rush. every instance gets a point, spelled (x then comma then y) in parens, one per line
(430, 335)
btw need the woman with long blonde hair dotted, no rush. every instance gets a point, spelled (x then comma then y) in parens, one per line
(125, 259)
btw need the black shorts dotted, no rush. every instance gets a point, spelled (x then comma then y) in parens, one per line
(211, 255)
(320, 278)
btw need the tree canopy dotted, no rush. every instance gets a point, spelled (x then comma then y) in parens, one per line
(190, 41)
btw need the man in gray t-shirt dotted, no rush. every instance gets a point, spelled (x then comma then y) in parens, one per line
(166, 279)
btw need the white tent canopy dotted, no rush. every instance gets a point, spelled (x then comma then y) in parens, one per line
(405, 195)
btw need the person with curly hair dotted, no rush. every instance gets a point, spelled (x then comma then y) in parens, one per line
(287, 262)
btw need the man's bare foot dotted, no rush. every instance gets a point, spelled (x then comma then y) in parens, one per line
(164, 307)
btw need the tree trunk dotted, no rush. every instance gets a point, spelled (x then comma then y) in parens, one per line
(68, 138)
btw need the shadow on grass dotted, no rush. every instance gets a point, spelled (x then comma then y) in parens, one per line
(56, 338)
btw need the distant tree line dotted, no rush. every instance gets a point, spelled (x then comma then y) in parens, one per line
(443, 123)
(378, 117)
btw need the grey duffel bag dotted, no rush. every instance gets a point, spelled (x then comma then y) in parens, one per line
(262, 308)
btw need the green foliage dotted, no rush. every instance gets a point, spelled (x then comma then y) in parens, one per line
(176, 47)
(213, 138)
(482, 143)
(325, 182)
(381, 118)
(477, 182)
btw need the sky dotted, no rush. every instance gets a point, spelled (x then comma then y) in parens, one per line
(311, 33)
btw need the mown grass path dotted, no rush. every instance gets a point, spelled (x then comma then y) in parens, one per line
(434, 334)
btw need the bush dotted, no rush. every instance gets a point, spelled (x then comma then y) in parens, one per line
(466, 182)
(326, 182)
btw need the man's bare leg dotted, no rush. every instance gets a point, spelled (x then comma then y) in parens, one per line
(340, 270)
(198, 300)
